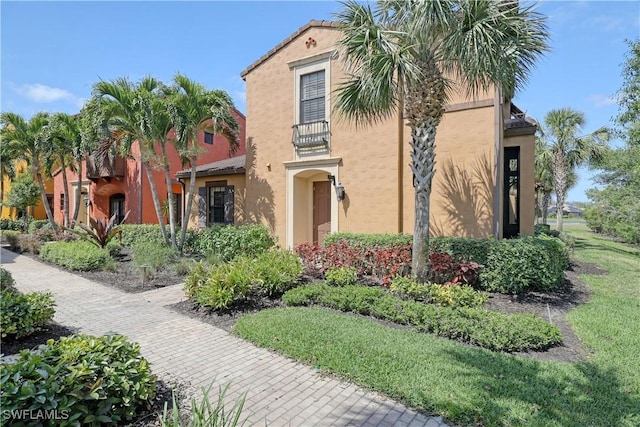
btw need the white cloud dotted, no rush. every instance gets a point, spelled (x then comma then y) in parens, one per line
(43, 94)
(600, 100)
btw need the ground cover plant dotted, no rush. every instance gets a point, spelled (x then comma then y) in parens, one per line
(495, 331)
(92, 380)
(77, 255)
(472, 386)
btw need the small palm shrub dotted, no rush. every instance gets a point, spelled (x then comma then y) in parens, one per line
(24, 314)
(94, 380)
(219, 287)
(77, 255)
(341, 276)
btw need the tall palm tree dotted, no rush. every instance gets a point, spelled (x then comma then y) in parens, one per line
(192, 105)
(131, 113)
(543, 179)
(59, 155)
(7, 166)
(561, 133)
(28, 138)
(69, 149)
(404, 50)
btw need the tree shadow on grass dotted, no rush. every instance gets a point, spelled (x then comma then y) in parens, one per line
(582, 243)
(580, 394)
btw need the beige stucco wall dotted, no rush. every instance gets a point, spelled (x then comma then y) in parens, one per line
(365, 158)
(239, 183)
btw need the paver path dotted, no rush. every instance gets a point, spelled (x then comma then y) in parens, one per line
(280, 392)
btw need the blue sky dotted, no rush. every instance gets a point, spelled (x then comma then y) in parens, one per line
(53, 52)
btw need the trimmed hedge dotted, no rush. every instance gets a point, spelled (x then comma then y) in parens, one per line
(141, 233)
(18, 224)
(226, 242)
(77, 255)
(94, 381)
(6, 281)
(495, 331)
(365, 240)
(24, 314)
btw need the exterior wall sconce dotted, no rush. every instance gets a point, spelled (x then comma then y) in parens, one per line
(340, 191)
(87, 200)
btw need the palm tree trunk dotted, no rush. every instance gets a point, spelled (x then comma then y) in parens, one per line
(187, 213)
(561, 172)
(422, 164)
(156, 200)
(65, 190)
(167, 178)
(43, 194)
(546, 201)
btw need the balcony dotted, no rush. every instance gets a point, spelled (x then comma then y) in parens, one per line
(105, 168)
(311, 136)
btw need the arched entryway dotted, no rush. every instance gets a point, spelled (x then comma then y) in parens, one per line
(312, 208)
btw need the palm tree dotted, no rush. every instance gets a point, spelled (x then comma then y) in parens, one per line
(131, 112)
(68, 150)
(28, 139)
(58, 155)
(569, 150)
(543, 179)
(7, 166)
(192, 105)
(402, 51)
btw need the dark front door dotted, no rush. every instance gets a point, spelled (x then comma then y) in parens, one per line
(511, 188)
(321, 210)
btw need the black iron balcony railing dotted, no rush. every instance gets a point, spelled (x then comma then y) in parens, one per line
(105, 168)
(311, 136)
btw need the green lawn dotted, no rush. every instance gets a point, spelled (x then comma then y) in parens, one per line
(471, 386)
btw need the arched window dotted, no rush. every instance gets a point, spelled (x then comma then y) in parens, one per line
(116, 207)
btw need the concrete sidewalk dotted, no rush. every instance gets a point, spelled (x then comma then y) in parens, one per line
(280, 392)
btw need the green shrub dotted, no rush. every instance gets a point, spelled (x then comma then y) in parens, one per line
(141, 233)
(95, 381)
(275, 271)
(405, 286)
(456, 296)
(229, 241)
(464, 248)
(478, 326)
(367, 240)
(516, 265)
(221, 286)
(18, 224)
(29, 243)
(341, 276)
(13, 239)
(6, 281)
(78, 255)
(24, 314)
(38, 224)
(115, 248)
(218, 287)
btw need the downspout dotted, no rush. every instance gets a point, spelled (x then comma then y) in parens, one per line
(140, 186)
(400, 160)
(497, 170)
(183, 185)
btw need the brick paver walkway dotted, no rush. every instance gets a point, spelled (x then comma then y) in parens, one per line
(279, 391)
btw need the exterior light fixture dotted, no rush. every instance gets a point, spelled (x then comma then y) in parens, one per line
(340, 191)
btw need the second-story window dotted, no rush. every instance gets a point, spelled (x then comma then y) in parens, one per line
(312, 102)
(208, 138)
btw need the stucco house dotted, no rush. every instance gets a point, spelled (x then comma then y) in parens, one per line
(120, 184)
(309, 172)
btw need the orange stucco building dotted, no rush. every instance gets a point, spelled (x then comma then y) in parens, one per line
(121, 184)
